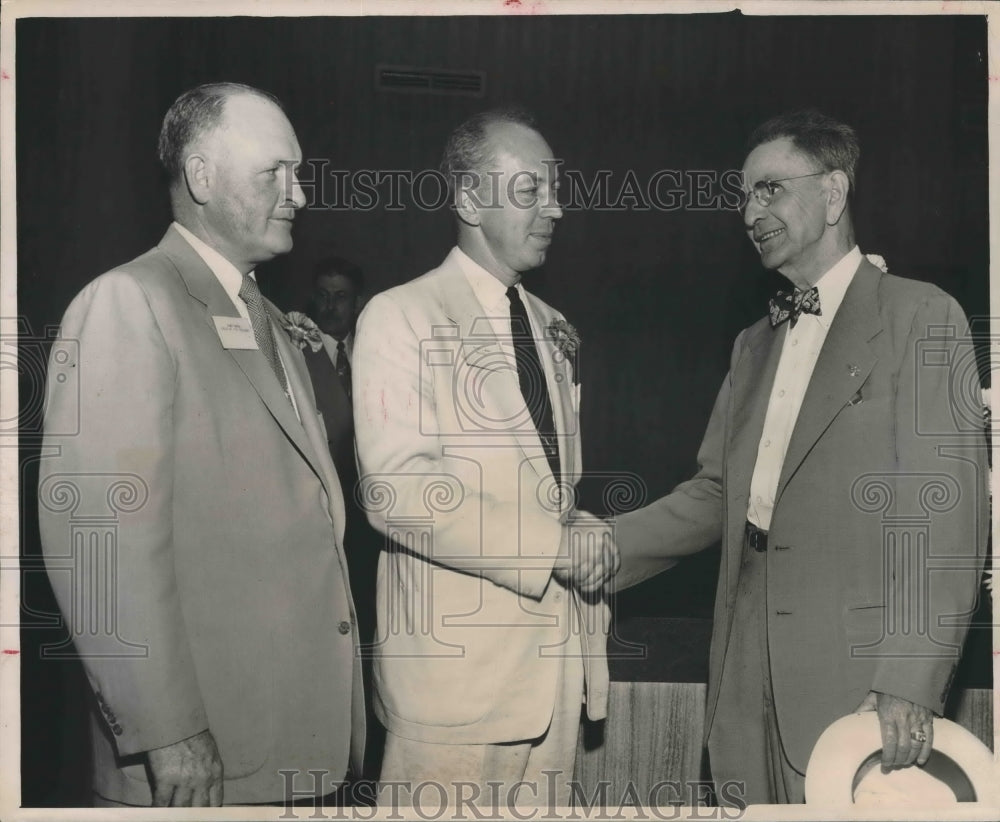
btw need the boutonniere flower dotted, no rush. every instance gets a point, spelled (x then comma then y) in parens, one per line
(301, 330)
(878, 261)
(566, 340)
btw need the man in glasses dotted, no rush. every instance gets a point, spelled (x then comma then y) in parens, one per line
(842, 461)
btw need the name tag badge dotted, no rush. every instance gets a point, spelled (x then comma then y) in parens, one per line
(235, 332)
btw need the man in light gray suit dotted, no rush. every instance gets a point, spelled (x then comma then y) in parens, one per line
(217, 627)
(844, 469)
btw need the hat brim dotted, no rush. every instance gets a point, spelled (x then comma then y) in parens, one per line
(959, 760)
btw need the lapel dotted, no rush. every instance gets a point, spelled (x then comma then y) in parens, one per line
(844, 363)
(317, 453)
(331, 399)
(752, 379)
(204, 286)
(559, 384)
(480, 348)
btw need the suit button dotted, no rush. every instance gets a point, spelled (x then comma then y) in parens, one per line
(344, 627)
(117, 729)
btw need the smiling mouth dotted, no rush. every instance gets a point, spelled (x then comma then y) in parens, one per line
(768, 235)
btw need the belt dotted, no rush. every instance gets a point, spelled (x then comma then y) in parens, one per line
(755, 538)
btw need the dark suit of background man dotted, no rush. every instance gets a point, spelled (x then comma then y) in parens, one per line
(489, 624)
(219, 636)
(842, 447)
(334, 304)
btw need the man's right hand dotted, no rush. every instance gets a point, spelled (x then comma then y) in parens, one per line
(588, 557)
(187, 774)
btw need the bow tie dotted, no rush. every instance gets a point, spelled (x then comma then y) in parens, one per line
(789, 306)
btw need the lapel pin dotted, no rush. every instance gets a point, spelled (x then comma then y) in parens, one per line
(853, 369)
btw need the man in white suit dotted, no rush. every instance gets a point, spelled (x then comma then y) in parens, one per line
(219, 633)
(492, 622)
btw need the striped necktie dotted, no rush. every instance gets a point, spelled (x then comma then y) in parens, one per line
(250, 294)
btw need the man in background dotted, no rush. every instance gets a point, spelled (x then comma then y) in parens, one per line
(843, 459)
(492, 623)
(216, 628)
(334, 304)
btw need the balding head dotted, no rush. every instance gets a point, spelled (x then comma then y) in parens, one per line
(193, 115)
(232, 156)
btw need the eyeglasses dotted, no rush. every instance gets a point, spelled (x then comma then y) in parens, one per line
(764, 191)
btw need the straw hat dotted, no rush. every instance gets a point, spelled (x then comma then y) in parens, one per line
(845, 768)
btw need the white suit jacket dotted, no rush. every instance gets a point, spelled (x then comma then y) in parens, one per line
(472, 629)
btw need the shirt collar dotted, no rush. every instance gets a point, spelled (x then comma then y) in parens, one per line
(225, 272)
(330, 343)
(833, 285)
(491, 293)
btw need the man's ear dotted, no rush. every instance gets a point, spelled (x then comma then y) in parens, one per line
(467, 207)
(198, 177)
(838, 187)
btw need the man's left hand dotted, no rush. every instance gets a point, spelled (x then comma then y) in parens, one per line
(907, 729)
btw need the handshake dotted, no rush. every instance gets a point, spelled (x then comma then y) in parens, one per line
(588, 557)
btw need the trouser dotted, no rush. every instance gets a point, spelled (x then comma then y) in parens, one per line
(528, 773)
(744, 745)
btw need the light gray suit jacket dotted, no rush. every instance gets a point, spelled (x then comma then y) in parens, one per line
(192, 529)
(880, 521)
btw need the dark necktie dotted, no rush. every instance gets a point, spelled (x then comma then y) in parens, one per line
(343, 368)
(531, 378)
(784, 306)
(250, 294)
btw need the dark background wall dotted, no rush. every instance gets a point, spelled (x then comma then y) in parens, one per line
(658, 295)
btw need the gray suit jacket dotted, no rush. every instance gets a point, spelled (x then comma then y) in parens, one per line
(880, 521)
(192, 529)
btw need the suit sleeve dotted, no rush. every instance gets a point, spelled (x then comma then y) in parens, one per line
(109, 460)
(939, 439)
(480, 525)
(689, 518)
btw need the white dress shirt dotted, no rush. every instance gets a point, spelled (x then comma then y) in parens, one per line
(330, 346)
(492, 296)
(799, 353)
(231, 280)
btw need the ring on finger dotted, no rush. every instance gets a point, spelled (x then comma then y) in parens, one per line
(918, 736)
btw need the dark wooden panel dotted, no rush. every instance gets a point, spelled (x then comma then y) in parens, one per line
(652, 734)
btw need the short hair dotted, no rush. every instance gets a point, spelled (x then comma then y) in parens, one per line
(193, 114)
(331, 266)
(832, 144)
(468, 149)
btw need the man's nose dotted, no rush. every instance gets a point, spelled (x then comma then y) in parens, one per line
(552, 209)
(298, 198)
(294, 195)
(752, 212)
